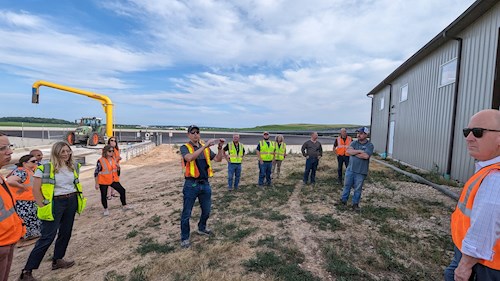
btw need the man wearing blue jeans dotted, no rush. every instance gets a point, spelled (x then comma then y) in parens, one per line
(360, 152)
(198, 169)
(312, 151)
(265, 153)
(235, 155)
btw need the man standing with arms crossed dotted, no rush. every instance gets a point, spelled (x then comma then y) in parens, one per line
(236, 153)
(340, 146)
(360, 150)
(265, 154)
(475, 223)
(196, 157)
(312, 151)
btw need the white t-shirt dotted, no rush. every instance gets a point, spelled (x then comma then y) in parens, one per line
(64, 181)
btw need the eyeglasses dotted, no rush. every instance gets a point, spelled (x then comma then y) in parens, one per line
(194, 132)
(5, 147)
(111, 151)
(32, 161)
(112, 140)
(477, 132)
(66, 152)
(266, 134)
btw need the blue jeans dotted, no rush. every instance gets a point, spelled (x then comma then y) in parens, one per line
(265, 172)
(355, 180)
(341, 160)
(192, 190)
(64, 211)
(479, 271)
(311, 167)
(233, 170)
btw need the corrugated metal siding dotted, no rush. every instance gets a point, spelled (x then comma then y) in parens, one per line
(476, 84)
(380, 119)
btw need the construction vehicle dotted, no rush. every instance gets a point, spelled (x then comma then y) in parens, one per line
(106, 102)
(90, 131)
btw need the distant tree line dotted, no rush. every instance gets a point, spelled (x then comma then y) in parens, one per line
(35, 120)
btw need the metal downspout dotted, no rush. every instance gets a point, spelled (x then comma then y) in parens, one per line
(455, 102)
(388, 120)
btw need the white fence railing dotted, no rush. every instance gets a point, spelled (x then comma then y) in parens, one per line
(133, 150)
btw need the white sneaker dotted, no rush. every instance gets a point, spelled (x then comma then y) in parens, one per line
(127, 207)
(106, 212)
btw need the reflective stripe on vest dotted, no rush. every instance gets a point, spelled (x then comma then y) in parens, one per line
(342, 146)
(280, 151)
(266, 151)
(235, 156)
(108, 173)
(460, 219)
(191, 169)
(11, 225)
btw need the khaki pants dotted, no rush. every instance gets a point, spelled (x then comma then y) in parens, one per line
(6, 254)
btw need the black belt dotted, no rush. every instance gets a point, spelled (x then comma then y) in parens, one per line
(198, 181)
(64, 196)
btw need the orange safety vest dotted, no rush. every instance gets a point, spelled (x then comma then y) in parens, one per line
(11, 225)
(460, 219)
(190, 168)
(342, 146)
(116, 154)
(26, 193)
(108, 173)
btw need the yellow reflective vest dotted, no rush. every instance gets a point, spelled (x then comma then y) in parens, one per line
(280, 151)
(191, 169)
(235, 156)
(48, 186)
(266, 151)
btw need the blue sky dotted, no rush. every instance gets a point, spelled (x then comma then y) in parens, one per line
(212, 63)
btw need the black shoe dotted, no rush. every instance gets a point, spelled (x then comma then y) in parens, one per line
(340, 203)
(356, 208)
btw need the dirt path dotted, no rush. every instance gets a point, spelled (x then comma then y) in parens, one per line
(303, 237)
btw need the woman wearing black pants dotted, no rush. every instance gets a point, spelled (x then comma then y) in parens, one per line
(106, 174)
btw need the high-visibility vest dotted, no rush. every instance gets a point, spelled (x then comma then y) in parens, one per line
(11, 225)
(342, 146)
(191, 169)
(460, 219)
(27, 192)
(235, 156)
(108, 173)
(280, 151)
(48, 186)
(266, 151)
(116, 154)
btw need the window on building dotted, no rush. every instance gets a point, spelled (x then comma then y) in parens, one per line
(448, 73)
(404, 93)
(382, 103)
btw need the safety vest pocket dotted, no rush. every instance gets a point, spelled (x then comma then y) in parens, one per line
(45, 213)
(82, 203)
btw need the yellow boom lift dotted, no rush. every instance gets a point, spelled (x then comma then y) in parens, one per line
(106, 102)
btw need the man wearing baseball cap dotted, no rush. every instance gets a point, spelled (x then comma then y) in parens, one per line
(196, 156)
(360, 152)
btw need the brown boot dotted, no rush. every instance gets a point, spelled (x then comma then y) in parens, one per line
(61, 263)
(26, 275)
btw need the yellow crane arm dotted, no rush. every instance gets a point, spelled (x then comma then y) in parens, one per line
(106, 102)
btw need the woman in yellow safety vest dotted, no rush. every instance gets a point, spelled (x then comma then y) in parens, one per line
(106, 176)
(280, 154)
(21, 179)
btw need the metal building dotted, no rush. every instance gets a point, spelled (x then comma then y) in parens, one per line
(420, 109)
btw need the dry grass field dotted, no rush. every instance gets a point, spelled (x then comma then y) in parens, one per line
(286, 232)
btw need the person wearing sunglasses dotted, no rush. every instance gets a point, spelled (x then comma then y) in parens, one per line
(21, 178)
(11, 226)
(106, 176)
(265, 150)
(475, 223)
(197, 169)
(58, 194)
(37, 153)
(116, 155)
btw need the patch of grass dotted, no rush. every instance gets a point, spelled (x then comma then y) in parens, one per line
(324, 222)
(148, 245)
(154, 221)
(241, 233)
(114, 276)
(341, 267)
(268, 214)
(392, 233)
(132, 234)
(138, 273)
(270, 263)
(381, 214)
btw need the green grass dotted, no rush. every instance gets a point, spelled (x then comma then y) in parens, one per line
(270, 263)
(114, 276)
(138, 273)
(148, 245)
(300, 127)
(324, 222)
(341, 267)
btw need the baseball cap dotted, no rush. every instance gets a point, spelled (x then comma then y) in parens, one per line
(363, 130)
(190, 128)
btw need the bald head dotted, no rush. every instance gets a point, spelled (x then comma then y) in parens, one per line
(487, 146)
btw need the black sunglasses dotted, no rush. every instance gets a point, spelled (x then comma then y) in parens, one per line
(32, 161)
(194, 132)
(477, 132)
(111, 151)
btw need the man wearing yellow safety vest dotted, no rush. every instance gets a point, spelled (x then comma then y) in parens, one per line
(265, 154)
(475, 223)
(235, 155)
(340, 146)
(196, 156)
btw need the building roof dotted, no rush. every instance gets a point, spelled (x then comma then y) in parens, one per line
(475, 11)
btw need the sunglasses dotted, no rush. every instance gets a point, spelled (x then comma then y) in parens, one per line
(477, 132)
(111, 151)
(194, 132)
(112, 140)
(32, 161)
